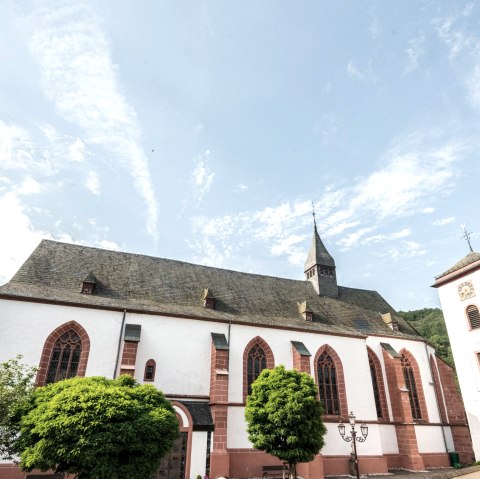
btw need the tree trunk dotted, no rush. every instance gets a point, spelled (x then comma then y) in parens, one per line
(292, 470)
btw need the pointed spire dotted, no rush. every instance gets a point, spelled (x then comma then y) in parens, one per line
(319, 267)
(318, 254)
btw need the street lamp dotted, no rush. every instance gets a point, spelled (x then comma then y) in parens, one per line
(353, 438)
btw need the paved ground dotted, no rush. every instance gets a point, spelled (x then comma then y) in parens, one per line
(472, 472)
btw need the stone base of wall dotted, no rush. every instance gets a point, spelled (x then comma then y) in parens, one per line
(219, 464)
(11, 471)
(435, 459)
(463, 443)
(340, 465)
(249, 463)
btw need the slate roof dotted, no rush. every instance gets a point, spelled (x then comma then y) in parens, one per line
(55, 271)
(471, 258)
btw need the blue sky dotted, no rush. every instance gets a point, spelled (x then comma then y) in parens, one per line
(202, 131)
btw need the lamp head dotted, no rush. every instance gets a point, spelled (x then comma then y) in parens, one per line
(351, 418)
(341, 429)
(364, 429)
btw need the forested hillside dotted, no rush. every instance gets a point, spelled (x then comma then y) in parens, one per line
(429, 323)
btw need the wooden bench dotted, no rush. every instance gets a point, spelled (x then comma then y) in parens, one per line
(274, 471)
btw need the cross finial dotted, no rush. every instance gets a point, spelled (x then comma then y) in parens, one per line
(313, 214)
(466, 236)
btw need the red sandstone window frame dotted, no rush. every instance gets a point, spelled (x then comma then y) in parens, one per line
(256, 342)
(150, 370)
(340, 383)
(381, 399)
(49, 345)
(415, 374)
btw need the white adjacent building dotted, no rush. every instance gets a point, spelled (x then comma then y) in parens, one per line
(203, 334)
(459, 292)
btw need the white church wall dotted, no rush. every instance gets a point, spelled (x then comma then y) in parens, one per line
(237, 428)
(388, 438)
(27, 326)
(198, 457)
(166, 340)
(336, 446)
(429, 438)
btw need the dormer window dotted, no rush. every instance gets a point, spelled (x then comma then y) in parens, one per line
(390, 322)
(88, 284)
(305, 311)
(208, 299)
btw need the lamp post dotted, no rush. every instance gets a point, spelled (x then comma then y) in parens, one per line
(353, 438)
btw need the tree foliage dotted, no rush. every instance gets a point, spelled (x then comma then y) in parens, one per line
(16, 386)
(429, 322)
(284, 416)
(97, 428)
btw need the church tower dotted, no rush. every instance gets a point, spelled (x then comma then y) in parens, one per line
(320, 267)
(459, 292)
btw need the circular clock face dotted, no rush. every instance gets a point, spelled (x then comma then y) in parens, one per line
(465, 290)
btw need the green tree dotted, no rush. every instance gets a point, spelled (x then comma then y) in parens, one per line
(16, 387)
(97, 428)
(284, 416)
(430, 324)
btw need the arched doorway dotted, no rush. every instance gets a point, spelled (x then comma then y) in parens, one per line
(175, 464)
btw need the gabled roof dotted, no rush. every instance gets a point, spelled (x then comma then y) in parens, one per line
(54, 273)
(466, 262)
(318, 254)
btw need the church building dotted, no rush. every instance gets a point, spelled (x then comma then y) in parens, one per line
(459, 290)
(202, 335)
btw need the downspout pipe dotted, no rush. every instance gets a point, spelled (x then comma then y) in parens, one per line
(228, 342)
(120, 337)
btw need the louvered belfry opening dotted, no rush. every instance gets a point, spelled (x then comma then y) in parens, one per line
(473, 316)
(65, 357)
(327, 384)
(256, 363)
(409, 375)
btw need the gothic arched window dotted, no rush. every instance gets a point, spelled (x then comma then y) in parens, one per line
(256, 363)
(65, 357)
(257, 356)
(65, 354)
(327, 384)
(375, 384)
(149, 373)
(409, 375)
(473, 316)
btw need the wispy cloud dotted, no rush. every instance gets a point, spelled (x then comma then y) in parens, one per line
(364, 75)
(92, 182)
(29, 186)
(408, 249)
(202, 176)
(415, 168)
(460, 35)
(414, 52)
(21, 239)
(79, 77)
(443, 221)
